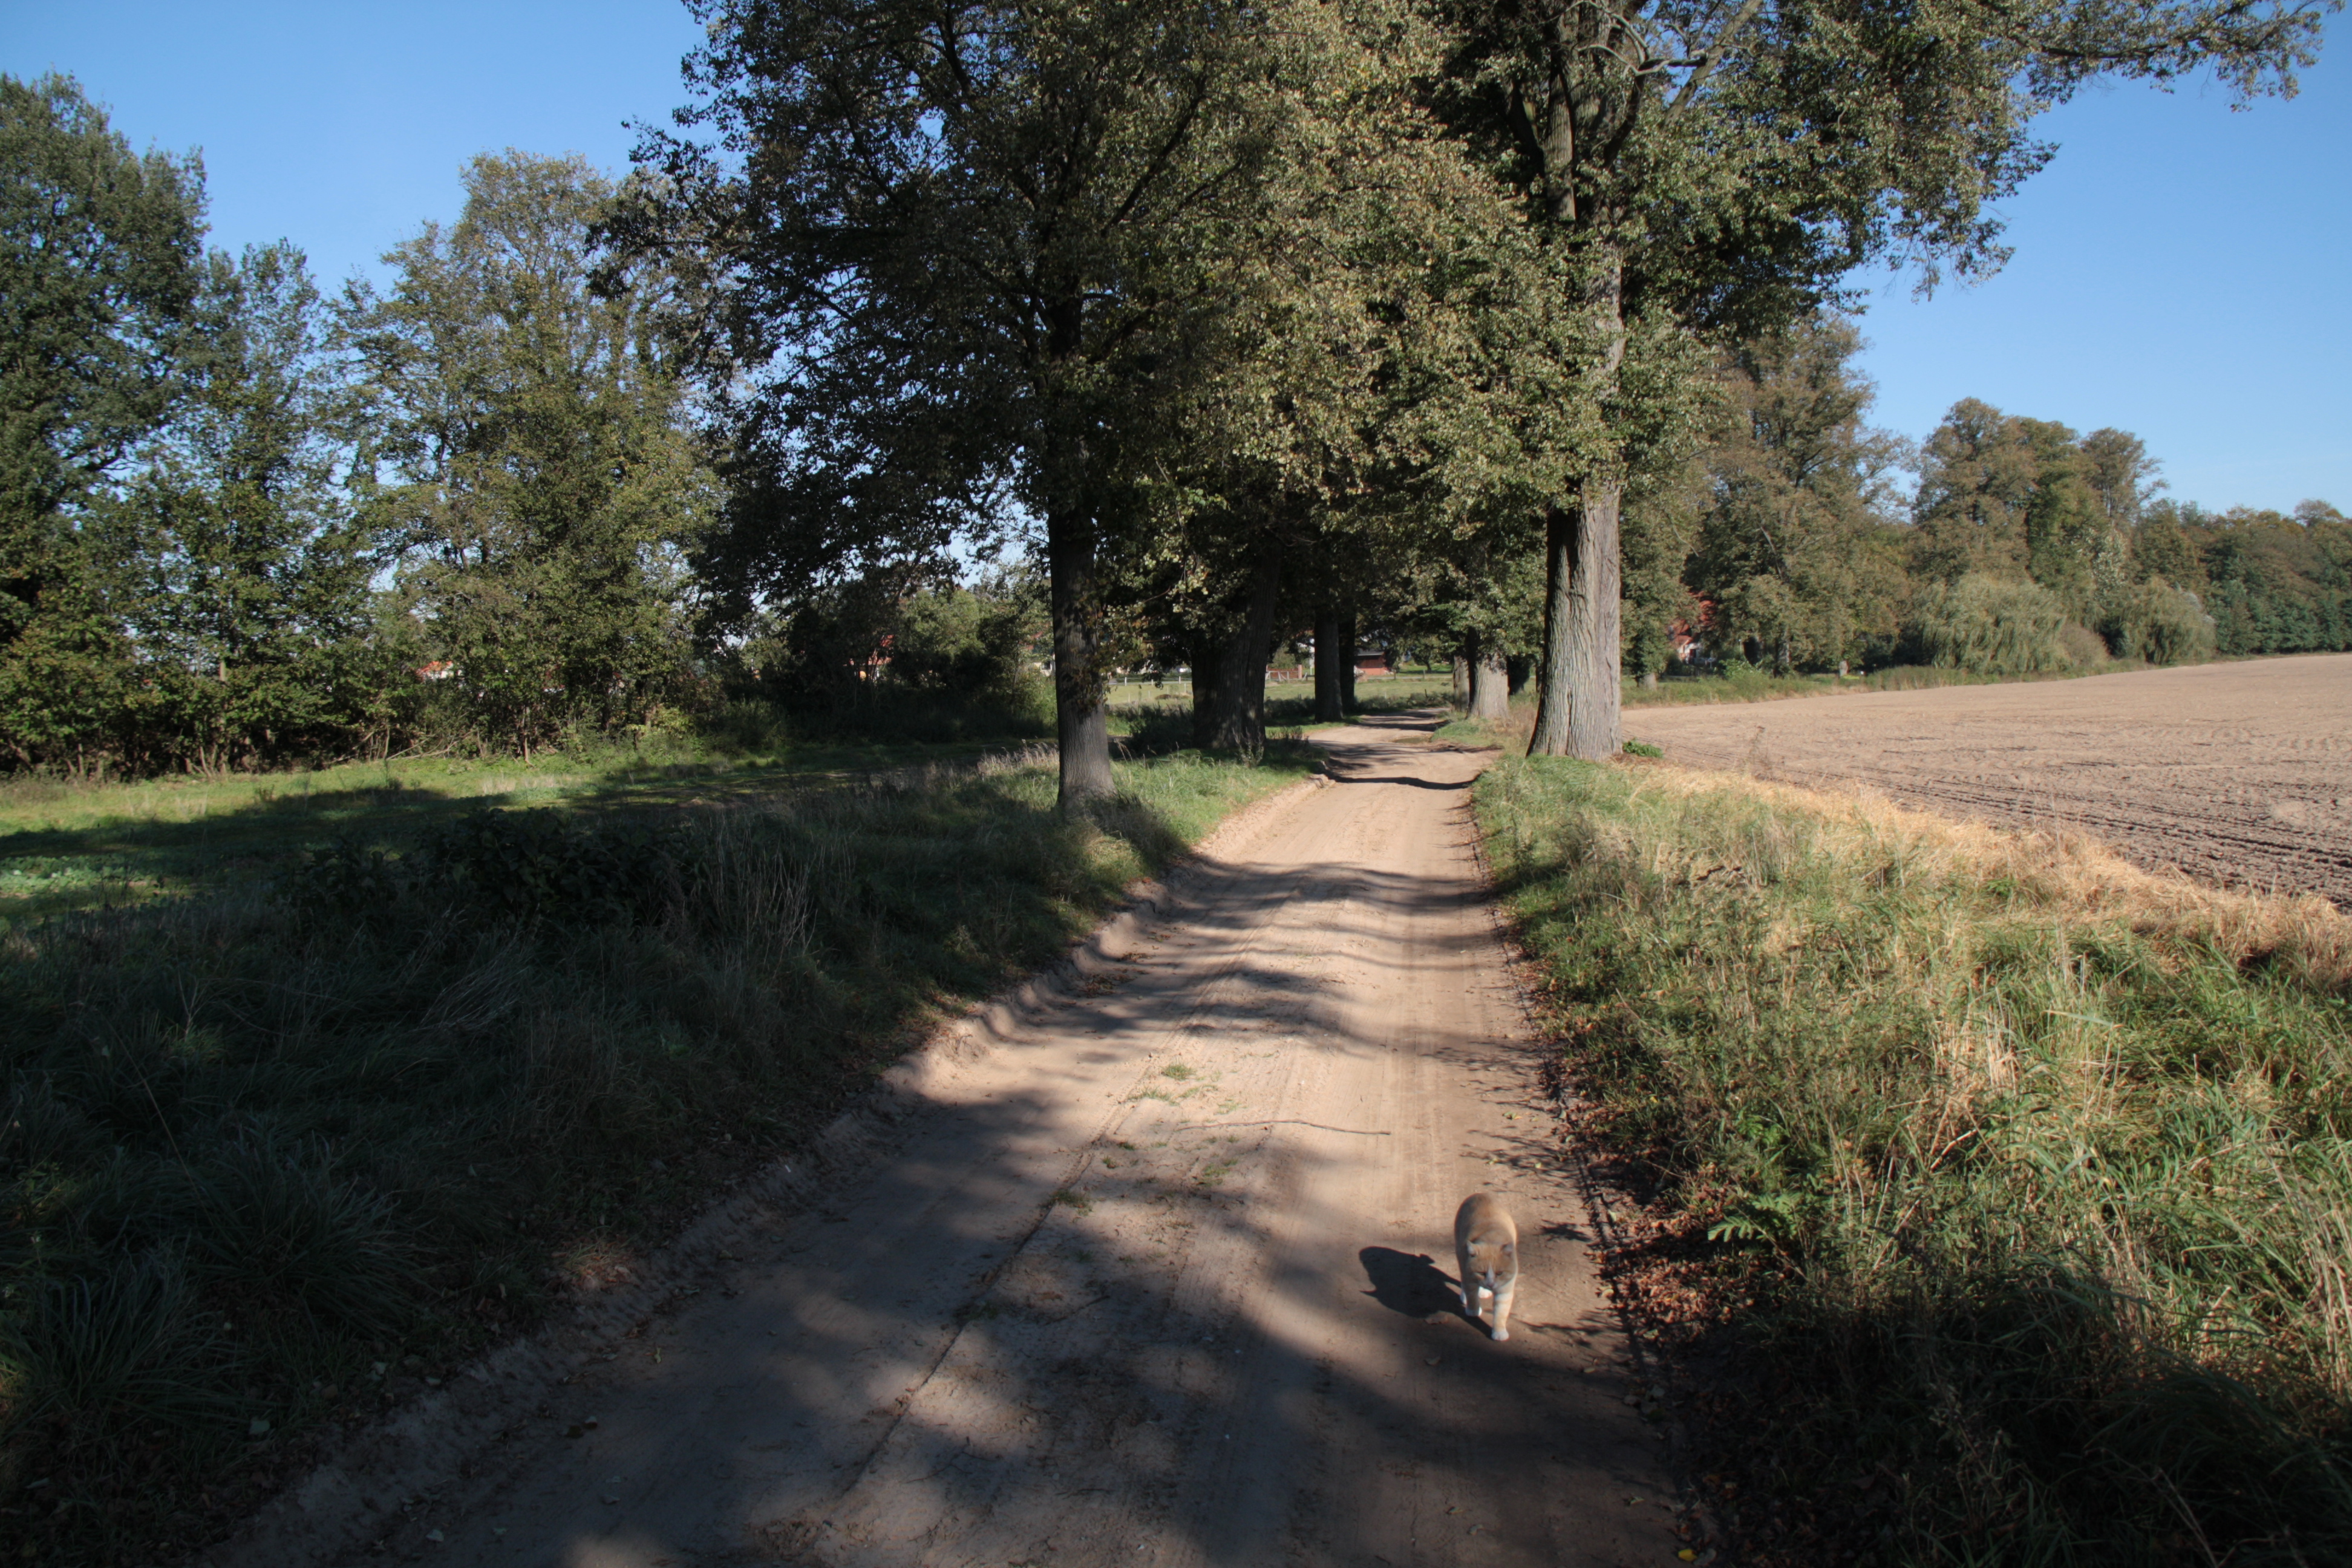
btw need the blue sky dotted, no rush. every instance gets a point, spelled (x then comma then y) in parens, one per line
(2181, 272)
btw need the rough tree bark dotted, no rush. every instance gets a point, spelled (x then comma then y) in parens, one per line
(1328, 658)
(1490, 690)
(1348, 662)
(1080, 716)
(1229, 713)
(1576, 713)
(1081, 720)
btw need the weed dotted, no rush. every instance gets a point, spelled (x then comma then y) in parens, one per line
(89, 1359)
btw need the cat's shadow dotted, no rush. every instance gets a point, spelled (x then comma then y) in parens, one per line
(1408, 1283)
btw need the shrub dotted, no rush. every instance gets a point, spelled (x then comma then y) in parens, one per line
(346, 882)
(967, 645)
(2158, 622)
(1982, 623)
(278, 1219)
(534, 865)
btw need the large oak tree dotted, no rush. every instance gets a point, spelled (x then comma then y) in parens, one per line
(1718, 165)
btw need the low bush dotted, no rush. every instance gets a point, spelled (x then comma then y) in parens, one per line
(268, 1157)
(1982, 623)
(2156, 622)
(2004, 1188)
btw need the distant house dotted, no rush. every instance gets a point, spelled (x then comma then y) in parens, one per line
(1374, 661)
(439, 670)
(1688, 637)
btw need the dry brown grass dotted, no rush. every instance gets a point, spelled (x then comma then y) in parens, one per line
(1998, 1164)
(2305, 934)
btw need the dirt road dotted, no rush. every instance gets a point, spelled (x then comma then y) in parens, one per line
(2241, 773)
(1161, 1278)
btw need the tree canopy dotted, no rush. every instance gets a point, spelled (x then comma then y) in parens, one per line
(1715, 168)
(99, 249)
(1509, 327)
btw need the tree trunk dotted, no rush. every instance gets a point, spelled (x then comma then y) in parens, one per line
(1231, 716)
(1490, 692)
(1348, 661)
(1582, 669)
(1462, 681)
(1327, 657)
(1081, 723)
(1583, 663)
(1208, 662)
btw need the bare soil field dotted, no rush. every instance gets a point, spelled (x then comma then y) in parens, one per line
(1151, 1268)
(2239, 774)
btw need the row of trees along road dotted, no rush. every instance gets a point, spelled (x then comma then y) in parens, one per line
(1075, 254)
(1495, 323)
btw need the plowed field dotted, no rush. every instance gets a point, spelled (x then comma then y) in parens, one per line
(2241, 773)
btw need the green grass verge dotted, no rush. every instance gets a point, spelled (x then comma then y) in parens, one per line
(2001, 1194)
(274, 1152)
(65, 845)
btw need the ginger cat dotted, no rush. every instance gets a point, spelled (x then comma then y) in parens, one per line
(1486, 1246)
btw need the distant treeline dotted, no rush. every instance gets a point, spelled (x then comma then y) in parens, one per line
(2025, 546)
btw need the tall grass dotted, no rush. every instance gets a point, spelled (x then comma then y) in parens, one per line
(271, 1156)
(2013, 1186)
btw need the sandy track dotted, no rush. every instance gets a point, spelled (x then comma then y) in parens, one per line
(2241, 773)
(1150, 1282)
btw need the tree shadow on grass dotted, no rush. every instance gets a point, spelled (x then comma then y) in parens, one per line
(50, 870)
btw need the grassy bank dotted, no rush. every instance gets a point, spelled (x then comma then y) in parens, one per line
(276, 1151)
(2001, 1194)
